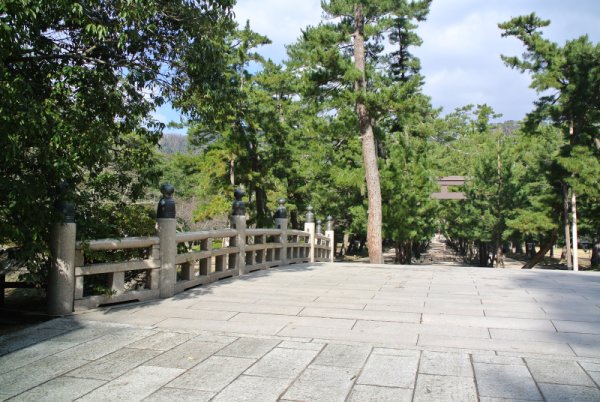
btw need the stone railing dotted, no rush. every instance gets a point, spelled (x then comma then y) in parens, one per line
(160, 266)
(115, 287)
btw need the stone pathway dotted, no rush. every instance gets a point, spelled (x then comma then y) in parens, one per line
(439, 253)
(326, 332)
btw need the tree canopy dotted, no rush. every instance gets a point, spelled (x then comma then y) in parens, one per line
(343, 124)
(78, 83)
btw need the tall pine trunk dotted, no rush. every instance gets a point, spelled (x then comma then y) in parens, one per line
(574, 230)
(565, 189)
(369, 149)
(574, 209)
(539, 256)
(596, 252)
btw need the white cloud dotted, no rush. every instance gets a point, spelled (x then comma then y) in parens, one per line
(160, 117)
(280, 20)
(462, 44)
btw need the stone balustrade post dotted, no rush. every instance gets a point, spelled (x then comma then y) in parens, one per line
(167, 229)
(238, 222)
(61, 278)
(281, 222)
(318, 241)
(330, 234)
(309, 226)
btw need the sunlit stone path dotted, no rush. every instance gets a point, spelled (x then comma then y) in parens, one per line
(326, 332)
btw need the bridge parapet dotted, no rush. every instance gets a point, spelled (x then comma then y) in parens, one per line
(145, 268)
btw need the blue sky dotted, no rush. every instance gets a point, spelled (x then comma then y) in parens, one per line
(460, 55)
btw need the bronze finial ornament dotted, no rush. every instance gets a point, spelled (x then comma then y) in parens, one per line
(166, 205)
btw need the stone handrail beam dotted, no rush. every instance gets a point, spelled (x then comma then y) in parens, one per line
(264, 232)
(205, 234)
(300, 233)
(262, 246)
(112, 267)
(118, 244)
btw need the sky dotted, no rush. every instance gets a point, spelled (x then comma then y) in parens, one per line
(462, 44)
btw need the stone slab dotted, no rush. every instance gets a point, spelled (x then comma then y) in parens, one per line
(249, 347)
(162, 341)
(322, 383)
(106, 344)
(390, 371)
(134, 385)
(194, 314)
(187, 355)
(577, 326)
(590, 366)
(586, 350)
(595, 375)
(343, 356)
(247, 307)
(394, 328)
(230, 297)
(409, 339)
(285, 320)
(361, 315)
(324, 301)
(60, 389)
(558, 372)
(361, 294)
(221, 326)
(337, 303)
(282, 363)
(31, 354)
(213, 374)
(490, 322)
(439, 363)
(545, 336)
(248, 388)
(115, 364)
(130, 317)
(30, 336)
(166, 394)
(302, 345)
(505, 381)
(494, 359)
(370, 393)
(496, 345)
(26, 377)
(395, 352)
(563, 393)
(445, 388)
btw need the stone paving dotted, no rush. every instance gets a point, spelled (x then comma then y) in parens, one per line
(326, 332)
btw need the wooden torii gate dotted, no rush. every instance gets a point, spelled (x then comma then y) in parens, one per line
(444, 183)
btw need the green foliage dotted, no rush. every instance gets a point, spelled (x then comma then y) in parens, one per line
(78, 82)
(410, 214)
(239, 128)
(322, 61)
(568, 78)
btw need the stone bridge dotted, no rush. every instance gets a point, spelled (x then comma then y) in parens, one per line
(243, 314)
(326, 332)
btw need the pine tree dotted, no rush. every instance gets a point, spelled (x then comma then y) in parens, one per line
(340, 60)
(573, 73)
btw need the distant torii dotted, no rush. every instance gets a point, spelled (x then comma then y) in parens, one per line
(444, 194)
